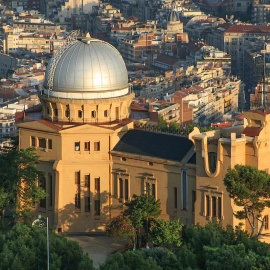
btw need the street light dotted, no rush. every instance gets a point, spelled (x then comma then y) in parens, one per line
(41, 222)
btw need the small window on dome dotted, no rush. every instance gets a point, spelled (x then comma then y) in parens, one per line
(79, 113)
(67, 111)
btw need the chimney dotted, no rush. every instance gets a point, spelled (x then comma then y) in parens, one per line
(151, 108)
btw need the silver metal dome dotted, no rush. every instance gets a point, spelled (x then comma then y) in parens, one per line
(86, 69)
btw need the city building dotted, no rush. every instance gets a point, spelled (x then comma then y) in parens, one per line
(260, 11)
(216, 151)
(94, 160)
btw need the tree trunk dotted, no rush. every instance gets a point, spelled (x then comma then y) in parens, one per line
(250, 222)
(262, 225)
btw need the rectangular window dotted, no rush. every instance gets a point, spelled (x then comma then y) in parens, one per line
(97, 184)
(87, 181)
(97, 207)
(184, 186)
(87, 146)
(51, 189)
(175, 197)
(87, 193)
(121, 188)
(96, 146)
(41, 143)
(77, 146)
(77, 178)
(219, 207)
(80, 113)
(77, 190)
(50, 143)
(33, 141)
(106, 113)
(214, 206)
(78, 201)
(93, 113)
(154, 190)
(87, 204)
(266, 222)
(126, 190)
(207, 206)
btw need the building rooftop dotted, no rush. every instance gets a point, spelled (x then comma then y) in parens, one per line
(158, 145)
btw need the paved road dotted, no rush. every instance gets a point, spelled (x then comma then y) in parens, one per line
(98, 247)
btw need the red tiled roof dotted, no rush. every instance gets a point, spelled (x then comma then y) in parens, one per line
(190, 91)
(248, 29)
(240, 117)
(179, 94)
(197, 87)
(20, 74)
(49, 124)
(252, 131)
(195, 46)
(132, 18)
(138, 107)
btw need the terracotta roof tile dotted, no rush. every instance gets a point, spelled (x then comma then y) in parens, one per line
(49, 124)
(248, 29)
(252, 131)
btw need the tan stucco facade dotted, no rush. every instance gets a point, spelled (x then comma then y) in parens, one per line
(68, 151)
(245, 145)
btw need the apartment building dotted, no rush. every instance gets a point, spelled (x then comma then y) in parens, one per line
(233, 39)
(261, 11)
(7, 129)
(7, 63)
(36, 43)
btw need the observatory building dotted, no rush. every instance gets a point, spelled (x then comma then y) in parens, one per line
(93, 159)
(85, 109)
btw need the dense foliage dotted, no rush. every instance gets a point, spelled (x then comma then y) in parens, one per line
(249, 188)
(211, 247)
(120, 227)
(165, 232)
(173, 127)
(139, 221)
(130, 260)
(19, 189)
(25, 247)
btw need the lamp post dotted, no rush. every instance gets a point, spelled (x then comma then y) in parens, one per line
(42, 223)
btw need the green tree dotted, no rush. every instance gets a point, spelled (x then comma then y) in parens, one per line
(249, 188)
(141, 210)
(227, 258)
(166, 232)
(25, 248)
(18, 182)
(130, 260)
(163, 257)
